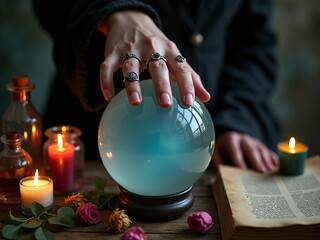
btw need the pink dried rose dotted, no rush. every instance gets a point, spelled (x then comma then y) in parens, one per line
(200, 222)
(134, 233)
(88, 213)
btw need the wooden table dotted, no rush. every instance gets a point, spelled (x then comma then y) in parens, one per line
(173, 229)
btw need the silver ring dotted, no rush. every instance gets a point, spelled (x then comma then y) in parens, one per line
(180, 58)
(131, 77)
(132, 55)
(155, 57)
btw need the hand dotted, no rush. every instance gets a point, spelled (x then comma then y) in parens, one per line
(241, 148)
(135, 32)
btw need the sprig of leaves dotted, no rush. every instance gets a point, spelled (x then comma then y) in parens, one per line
(100, 197)
(40, 222)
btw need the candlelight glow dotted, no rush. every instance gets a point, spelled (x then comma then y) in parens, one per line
(60, 142)
(36, 178)
(292, 143)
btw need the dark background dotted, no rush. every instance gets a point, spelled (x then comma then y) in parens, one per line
(26, 49)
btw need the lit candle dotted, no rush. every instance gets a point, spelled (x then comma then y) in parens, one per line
(292, 156)
(36, 189)
(61, 158)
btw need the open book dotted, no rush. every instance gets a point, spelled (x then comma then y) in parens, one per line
(270, 206)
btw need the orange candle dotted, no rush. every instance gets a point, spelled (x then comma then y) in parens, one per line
(61, 158)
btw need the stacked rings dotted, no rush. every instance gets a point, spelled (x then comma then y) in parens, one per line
(155, 57)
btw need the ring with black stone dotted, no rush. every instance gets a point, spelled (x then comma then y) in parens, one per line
(131, 77)
(155, 57)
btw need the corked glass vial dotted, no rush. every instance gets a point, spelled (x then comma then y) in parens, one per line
(15, 164)
(21, 116)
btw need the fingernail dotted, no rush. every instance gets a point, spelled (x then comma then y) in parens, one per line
(165, 99)
(188, 99)
(135, 98)
(107, 94)
(262, 168)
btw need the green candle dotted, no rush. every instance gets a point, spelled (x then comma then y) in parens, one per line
(292, 156)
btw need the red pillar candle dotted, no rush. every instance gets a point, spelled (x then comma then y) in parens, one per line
(61, 158)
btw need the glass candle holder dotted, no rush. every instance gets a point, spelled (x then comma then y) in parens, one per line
(64, 156)
(36, 189)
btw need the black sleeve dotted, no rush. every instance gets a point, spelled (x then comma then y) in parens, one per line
(249, 75)
(78, 45)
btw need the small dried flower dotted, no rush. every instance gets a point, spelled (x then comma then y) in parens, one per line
(134, 233)
(88, 213)
(74, 201)
(119, 221)
(200, 222)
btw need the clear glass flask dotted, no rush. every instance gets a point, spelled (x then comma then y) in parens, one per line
(21, 116)
(15, 164)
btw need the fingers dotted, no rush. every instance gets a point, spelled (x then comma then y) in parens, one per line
(131, 68)
(243, 149)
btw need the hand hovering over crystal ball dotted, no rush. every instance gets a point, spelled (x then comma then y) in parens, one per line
(219, 53)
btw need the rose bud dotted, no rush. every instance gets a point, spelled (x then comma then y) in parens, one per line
(88, 214)
(134, 233)
(119, 221)
(200, 222)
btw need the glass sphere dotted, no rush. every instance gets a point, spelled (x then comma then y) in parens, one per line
(155, 151)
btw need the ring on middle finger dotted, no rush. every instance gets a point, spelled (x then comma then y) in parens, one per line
(155, 57)
(131, 77)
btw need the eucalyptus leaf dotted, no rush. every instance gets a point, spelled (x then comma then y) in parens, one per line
(17, 219)
(66, 211)
(65, 221)
(99, 183)
(37, 209)
(32, 223)
(43, 234)
(11, 231)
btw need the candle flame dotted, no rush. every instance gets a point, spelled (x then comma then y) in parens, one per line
(292, 143)
(60, 142)
(36, 178)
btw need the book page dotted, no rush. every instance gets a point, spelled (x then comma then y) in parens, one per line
(271, 200)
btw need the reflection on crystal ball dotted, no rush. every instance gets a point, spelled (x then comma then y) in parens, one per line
(155, 151)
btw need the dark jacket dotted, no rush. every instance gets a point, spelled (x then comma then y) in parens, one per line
(235, 59)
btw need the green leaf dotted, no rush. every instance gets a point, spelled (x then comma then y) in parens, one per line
(43, 234)
(66, 211)
(11, 231)
(65, 221)
(16, 219)
(99, 183)
(37, 209)
(32, 223)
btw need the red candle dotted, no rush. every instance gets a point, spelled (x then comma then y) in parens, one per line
(61, 158)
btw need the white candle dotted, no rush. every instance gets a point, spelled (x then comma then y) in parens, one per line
(36, 189)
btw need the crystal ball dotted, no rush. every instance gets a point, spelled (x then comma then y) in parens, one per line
(155, 151)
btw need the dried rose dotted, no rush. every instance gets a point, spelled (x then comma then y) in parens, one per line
(88, 213)
(119, 221)
(75, 201)
(200, 222)
(134, 233)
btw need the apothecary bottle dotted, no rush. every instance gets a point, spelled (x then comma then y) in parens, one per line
(21, 116)
(65, 168)
(15, 164)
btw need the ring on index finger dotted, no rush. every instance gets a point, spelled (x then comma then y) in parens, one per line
(155, 57)
(129, 55)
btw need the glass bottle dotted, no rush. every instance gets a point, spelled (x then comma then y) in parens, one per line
(15, 164)
(21, 116)
(70, 135)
